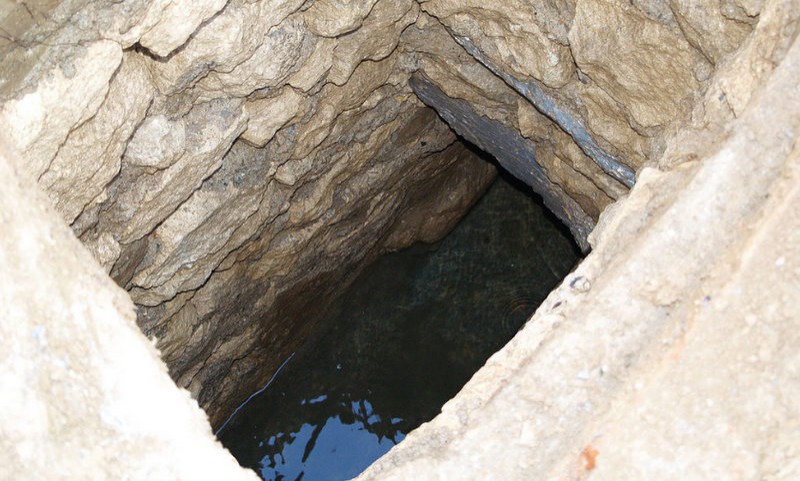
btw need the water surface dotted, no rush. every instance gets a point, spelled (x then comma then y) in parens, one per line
(403, 340)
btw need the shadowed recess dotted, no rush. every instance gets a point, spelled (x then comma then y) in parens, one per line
(403, 340)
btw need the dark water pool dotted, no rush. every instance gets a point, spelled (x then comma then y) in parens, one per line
(406, 337)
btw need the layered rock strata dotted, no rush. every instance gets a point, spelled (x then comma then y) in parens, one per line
(670, 352)
(232, 182)
(84, 394)
(233, 164)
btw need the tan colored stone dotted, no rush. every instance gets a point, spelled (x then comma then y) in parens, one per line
(268, 115)
(566, 164)
(460, 76)
(277, 149)
(734, 83)
(38, 122)
(244, 27)
(376, 40)
(90, 156)
(530, 40)
(608, 120)
(277, 55)
(306, 239)
(419, 222)
(650, 71)
(123, 24)
(157, 144)
(672, 336)
(759, 56)
(177, 22)
(314, 71)
(75, 367)
(332, 18)
(193, 240)
(334, 99)
(707, 28)
(138, 207)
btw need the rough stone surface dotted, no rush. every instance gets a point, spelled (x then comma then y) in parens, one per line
(459, 75)
(83, 167)
(200, 171)
(513, 152)
(668, 354)
(39, 122)
(177, 21)
(233, 164)
(74, 366)
(654, 71)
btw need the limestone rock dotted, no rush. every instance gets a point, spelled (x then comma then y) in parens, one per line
(651, 69)
(513, 152)
(90, 157)
(157, 144)
(245, 26)
(709, 29)
(529, 40)
(177, 22)
(308, 240)
(330, 18)
(758, 57)
(277, 55)
(457, 73)
(234, 164)
(376, 40)
(38, 122)
(316, 94)
(588, 390)
(75, 367)
(268, 115)
(136, 207)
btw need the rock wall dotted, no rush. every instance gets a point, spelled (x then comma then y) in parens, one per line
(233, 164)
(596, 86)
(83, 392)
(670, 352)
(221, 158)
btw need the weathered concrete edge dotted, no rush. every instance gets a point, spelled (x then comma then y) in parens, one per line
(514, 152)
(582, 356)
(547, 105)
(75, 367)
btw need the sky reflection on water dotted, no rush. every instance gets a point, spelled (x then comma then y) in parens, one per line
(315, 452)
(404, 339)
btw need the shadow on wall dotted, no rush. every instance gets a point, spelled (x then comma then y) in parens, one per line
(403, 340)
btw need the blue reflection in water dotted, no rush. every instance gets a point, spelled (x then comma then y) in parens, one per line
(334, 451)
(407, 335)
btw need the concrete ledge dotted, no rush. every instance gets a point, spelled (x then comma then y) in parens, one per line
(670, 353)
(83, 394)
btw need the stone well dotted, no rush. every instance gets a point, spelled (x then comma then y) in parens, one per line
(187, 186)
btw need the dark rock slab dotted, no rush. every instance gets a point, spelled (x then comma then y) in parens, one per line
(569, 123)
(514, 152)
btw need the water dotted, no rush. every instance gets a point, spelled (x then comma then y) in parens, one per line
(402, 341)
